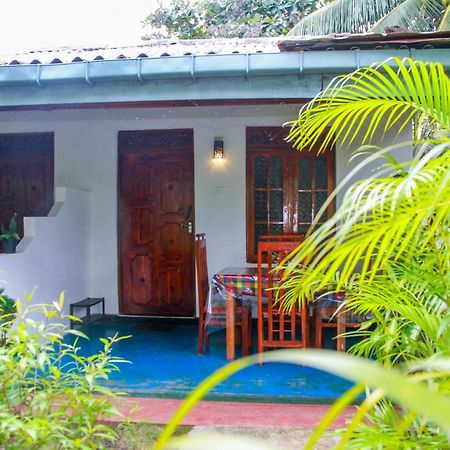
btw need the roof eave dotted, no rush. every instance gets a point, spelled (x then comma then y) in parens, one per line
(207, 66)
(292, 75)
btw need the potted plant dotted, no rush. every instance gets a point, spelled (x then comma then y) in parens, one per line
(8, 312)
(9, 236)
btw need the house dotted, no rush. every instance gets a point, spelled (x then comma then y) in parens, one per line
(126, 138)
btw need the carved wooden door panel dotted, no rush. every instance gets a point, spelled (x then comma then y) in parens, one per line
(26, 176)
(156, 211)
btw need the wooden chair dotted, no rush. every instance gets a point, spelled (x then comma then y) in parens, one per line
(330, 317)
(276, 326)
(217, 313)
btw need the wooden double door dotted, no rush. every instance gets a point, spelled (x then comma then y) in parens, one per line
(156, 229)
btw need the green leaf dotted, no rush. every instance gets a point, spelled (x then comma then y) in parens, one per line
(356, 16)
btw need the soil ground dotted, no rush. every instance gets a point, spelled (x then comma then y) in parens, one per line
(141, 436)
(272, 438)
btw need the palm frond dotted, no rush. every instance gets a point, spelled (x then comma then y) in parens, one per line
(390, 427)
(387, 94)
(344, 16)
(407, 317)
(445, 21)
(414, 15)
(361, 16)
(379, 221)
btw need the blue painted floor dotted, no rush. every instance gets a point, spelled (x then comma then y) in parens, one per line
(165, 364)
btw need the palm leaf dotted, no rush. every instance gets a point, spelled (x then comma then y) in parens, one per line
(386, 94)
(445, 21)
(333, 413)
(409, 313)
(344, 16)
(414, 15)
(379, 220)
(361, 16)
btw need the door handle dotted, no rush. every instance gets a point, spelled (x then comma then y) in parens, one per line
(189, 226)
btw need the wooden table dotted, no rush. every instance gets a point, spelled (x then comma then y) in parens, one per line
(231, 284)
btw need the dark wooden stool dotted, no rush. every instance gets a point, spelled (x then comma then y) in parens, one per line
(87, 304)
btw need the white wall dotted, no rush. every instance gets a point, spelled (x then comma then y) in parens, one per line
(86, 158)
(51, 257)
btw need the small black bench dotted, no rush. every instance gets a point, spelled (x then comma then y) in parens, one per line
(87, 304)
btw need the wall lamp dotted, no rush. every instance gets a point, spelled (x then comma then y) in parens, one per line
(218, 148)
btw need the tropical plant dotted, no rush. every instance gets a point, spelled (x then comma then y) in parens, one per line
(390, 238)
(50, 395)
(196, 19)
(401, 217)
(360, 16)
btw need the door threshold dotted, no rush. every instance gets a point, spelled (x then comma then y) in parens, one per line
(172, 320)
(141, 316)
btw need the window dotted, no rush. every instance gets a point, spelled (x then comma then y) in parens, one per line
(285, 188)
(26, 176)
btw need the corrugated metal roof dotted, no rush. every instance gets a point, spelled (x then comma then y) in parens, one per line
(345, 41)
(208, 70)
(150, 49)
(202, 47)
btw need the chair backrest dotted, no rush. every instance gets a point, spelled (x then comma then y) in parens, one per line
(201, 263)
(294, 238)
(277, 327)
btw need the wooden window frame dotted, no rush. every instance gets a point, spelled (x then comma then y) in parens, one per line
(270, 141)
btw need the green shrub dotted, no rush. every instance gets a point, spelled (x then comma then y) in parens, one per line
(50, 395)
(7, 304)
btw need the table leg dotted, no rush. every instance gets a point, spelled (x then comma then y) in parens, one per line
(340, 330)
(230, 326)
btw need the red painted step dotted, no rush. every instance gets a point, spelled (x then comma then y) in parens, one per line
(160, 411)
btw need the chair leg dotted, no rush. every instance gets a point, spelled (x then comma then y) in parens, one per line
(341, 347)
(318, 331)
(305, 326)
(260, 339)
(201, 335)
